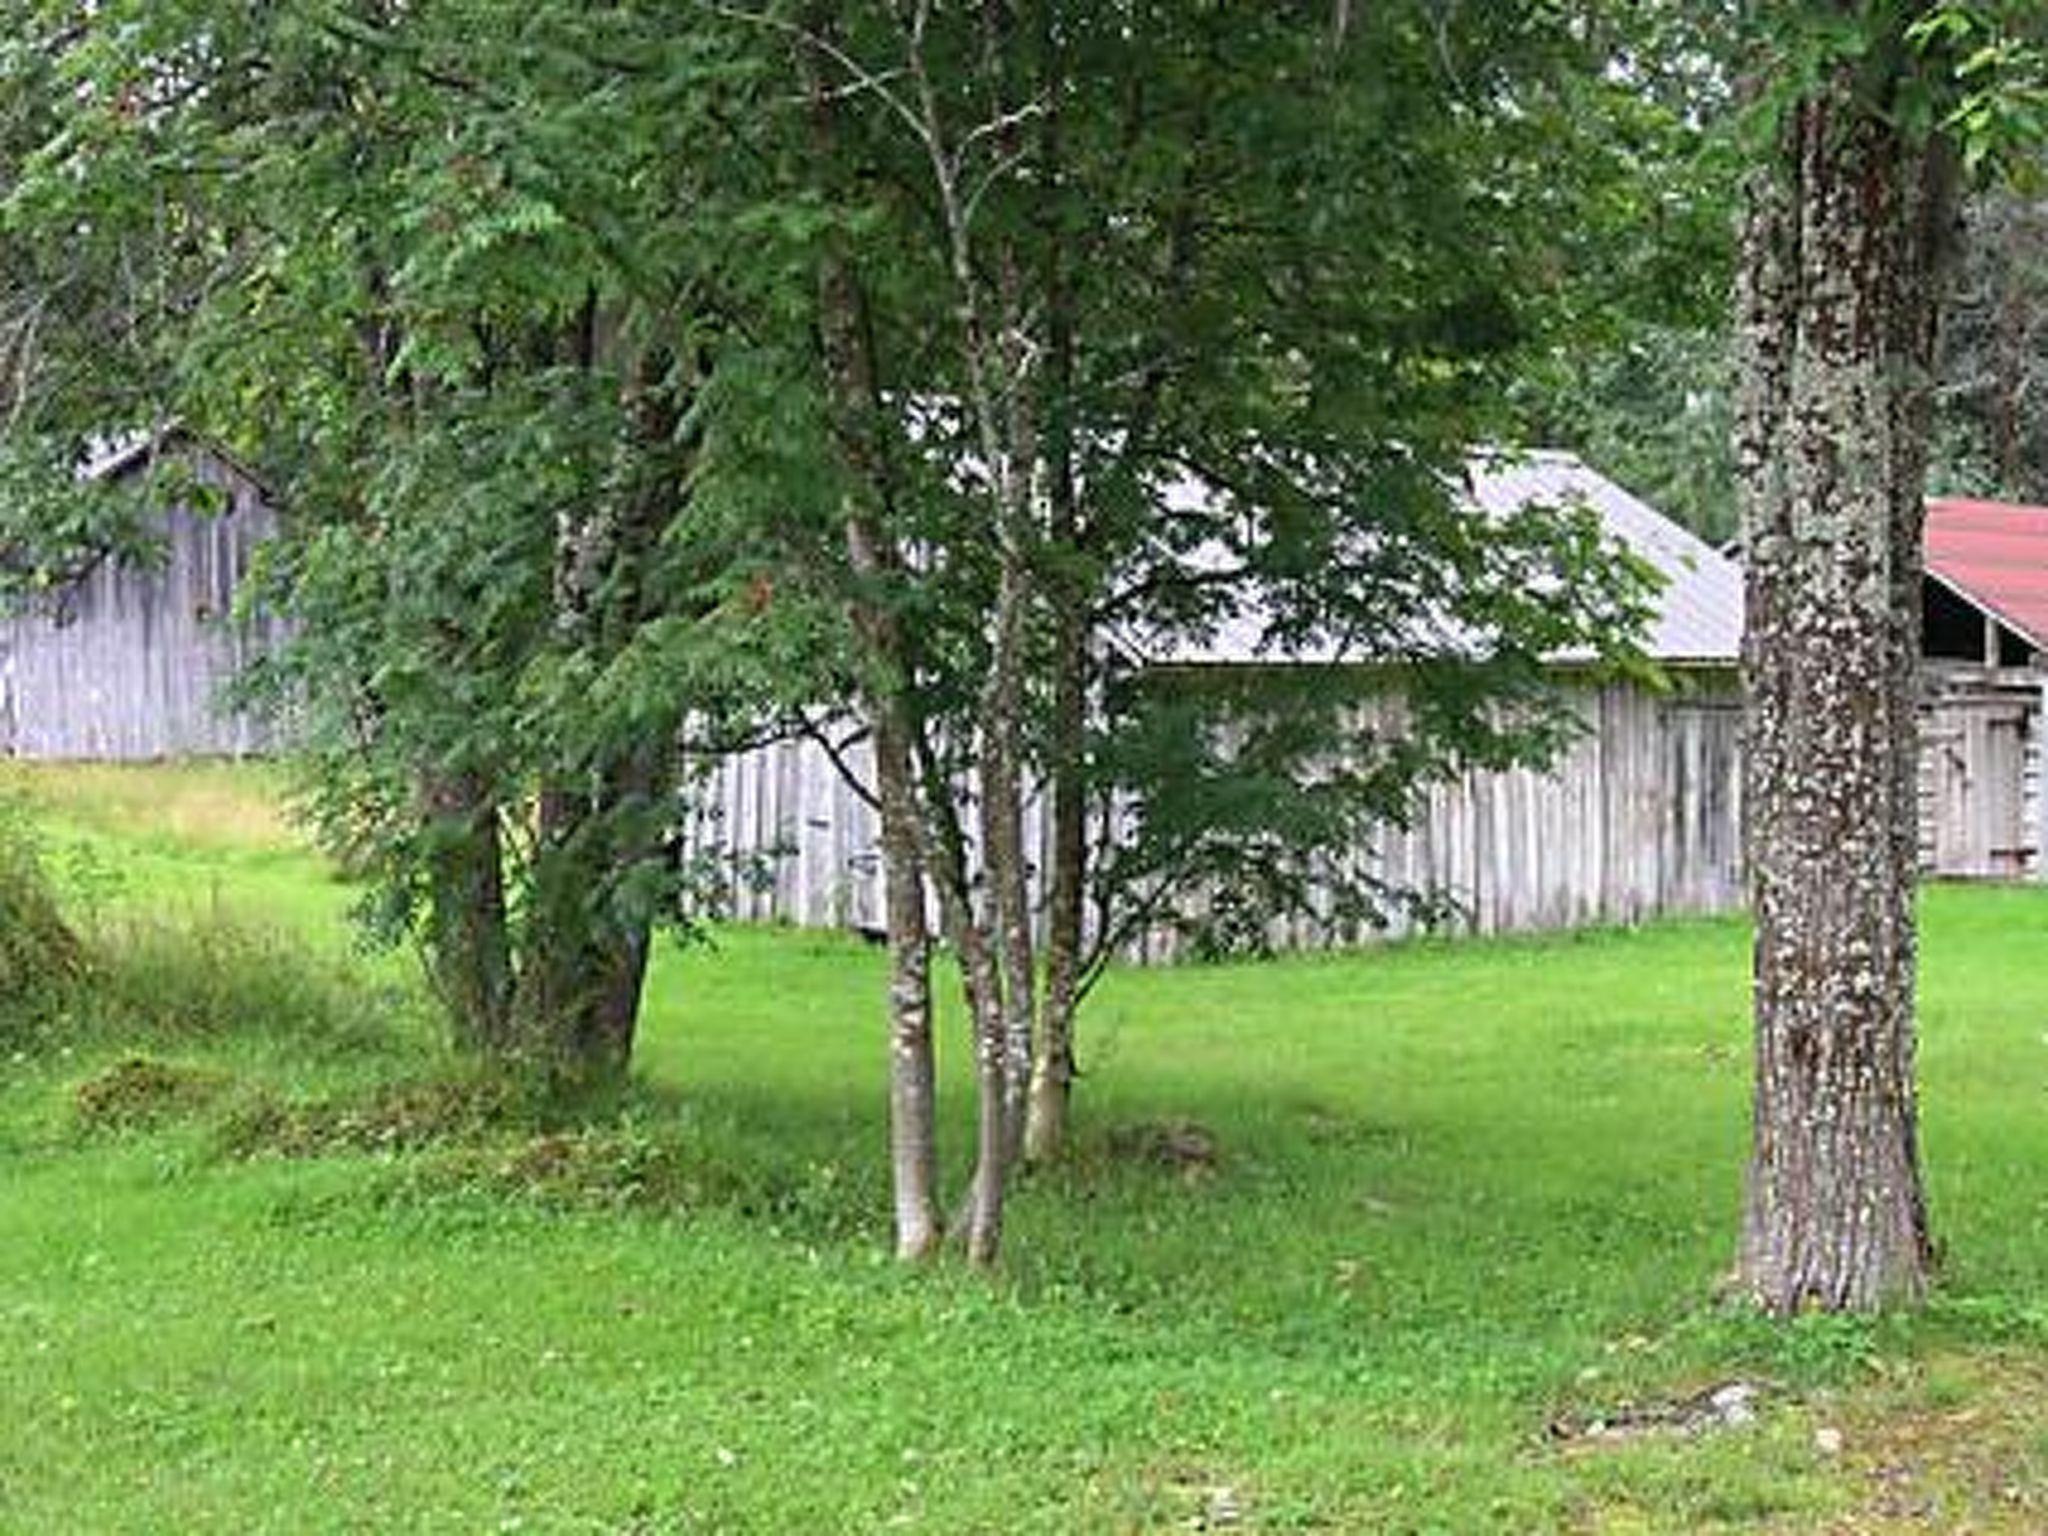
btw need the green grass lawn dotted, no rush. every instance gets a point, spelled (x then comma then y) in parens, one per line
(1461, 1193)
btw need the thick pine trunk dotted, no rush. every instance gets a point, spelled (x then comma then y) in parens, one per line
(1835, 318)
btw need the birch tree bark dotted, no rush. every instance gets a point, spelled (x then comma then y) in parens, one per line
(1068, 601)
(1052, 1067)
(844, 334)
(1836, 311)
(913, 1081)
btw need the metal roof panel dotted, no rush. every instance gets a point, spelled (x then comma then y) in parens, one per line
(1995, 554)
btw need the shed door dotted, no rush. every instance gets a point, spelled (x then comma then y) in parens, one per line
(1973, 788)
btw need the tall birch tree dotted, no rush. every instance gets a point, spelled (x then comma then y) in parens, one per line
(1072, 261)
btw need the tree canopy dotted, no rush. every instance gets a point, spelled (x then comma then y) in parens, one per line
(639, 384)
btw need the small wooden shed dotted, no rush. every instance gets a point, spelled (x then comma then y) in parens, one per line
(1640, 818)
(131, 663)
(1984, 640)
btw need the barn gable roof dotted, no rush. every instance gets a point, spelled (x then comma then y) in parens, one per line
(1698, 611)
(117, 458)
(1995, 555)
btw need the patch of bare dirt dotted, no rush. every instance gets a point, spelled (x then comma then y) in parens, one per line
(1177, 1146)
(1961, 1445)
(137, 1092)
(1725, 1405)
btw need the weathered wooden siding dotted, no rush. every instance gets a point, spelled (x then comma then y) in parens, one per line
(131, 665)
(1638, 820)
(1980, 776)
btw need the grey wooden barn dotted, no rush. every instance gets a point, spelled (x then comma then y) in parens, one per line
(131, 663)
(1639, 818)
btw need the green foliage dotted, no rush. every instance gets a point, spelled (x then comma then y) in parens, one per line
(518, 310)
(1634, 374)
(1641, 386)
(443, 274)
(1994, 351)
(1996, 55)
(1279, 287)
(83, 304)
(56, 528)
(1656, 413)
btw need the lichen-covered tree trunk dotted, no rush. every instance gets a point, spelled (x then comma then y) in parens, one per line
(1836, 312)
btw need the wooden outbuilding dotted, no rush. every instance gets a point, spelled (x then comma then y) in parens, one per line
(1638, 819)
(1984, 639)
(1641, 817)
(132, 662)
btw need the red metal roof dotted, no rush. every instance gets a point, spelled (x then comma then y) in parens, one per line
(1996, 555)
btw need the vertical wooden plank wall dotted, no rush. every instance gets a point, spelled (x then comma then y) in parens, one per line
(1638, 819)
(132, 664)
(1980, 776)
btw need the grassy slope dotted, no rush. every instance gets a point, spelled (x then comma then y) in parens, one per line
(1461, 1190)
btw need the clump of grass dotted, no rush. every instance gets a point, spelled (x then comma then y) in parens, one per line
(634, 1165)
(1176, 1145)
(604, 1167)
(41, 959)
(503, 1139)
(140, 1092)
(200, 974)
(212, 975)
(391, 1117)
